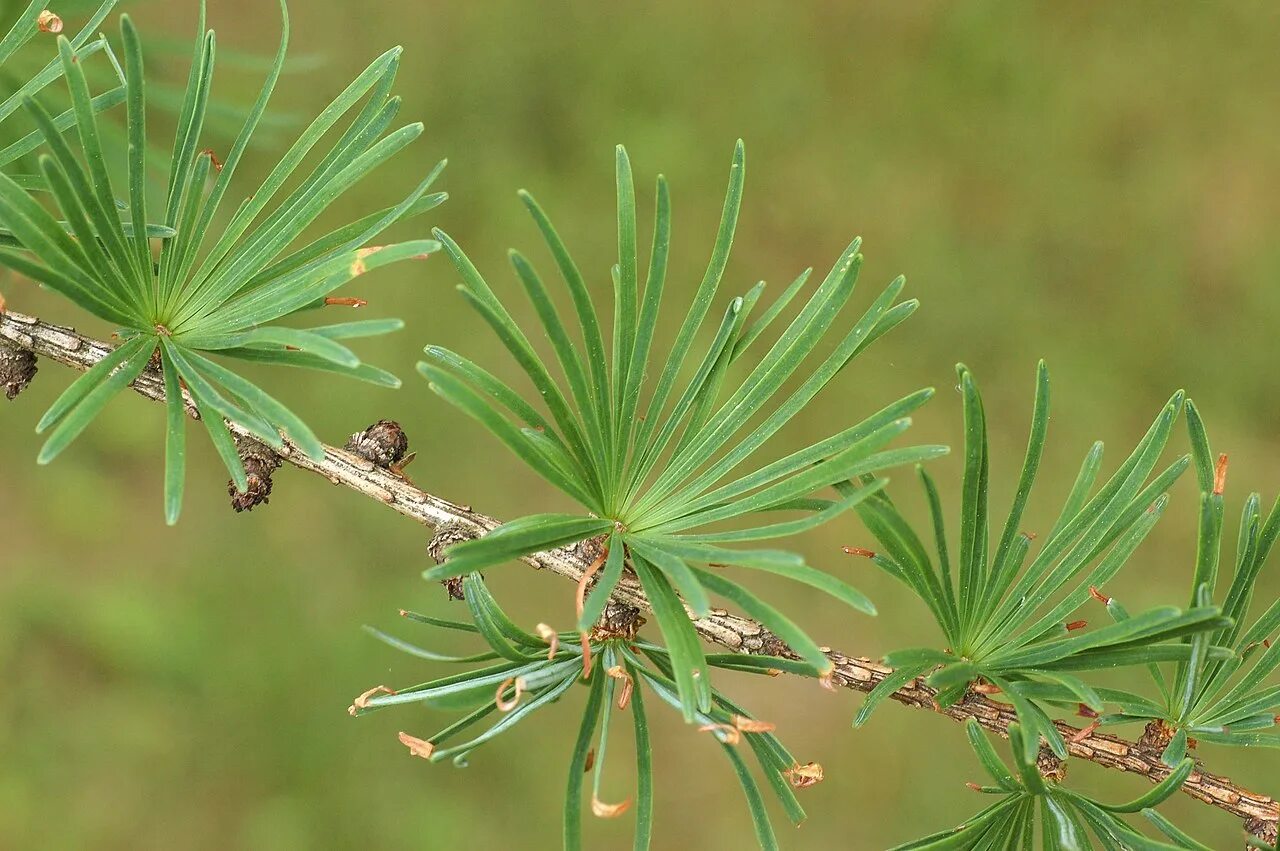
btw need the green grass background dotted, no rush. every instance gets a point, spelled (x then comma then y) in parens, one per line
(1094, 183)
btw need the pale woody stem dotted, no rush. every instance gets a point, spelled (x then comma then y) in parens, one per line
(739, 634)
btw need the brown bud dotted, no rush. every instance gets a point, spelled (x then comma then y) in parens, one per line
(260, 461)
(17, 368)
(1267, 831)
(1050, 767)
(617, 621)
(384, 443)
(453, 588)
(257, 493)
(1156, 736)
(445, 537)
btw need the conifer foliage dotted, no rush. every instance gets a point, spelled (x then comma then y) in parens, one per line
(667, 449)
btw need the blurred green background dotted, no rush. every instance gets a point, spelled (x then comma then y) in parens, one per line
(1094, 183)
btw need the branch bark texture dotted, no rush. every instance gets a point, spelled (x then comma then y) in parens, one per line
(736, 633)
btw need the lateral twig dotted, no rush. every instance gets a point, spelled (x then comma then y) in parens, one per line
(739, 634)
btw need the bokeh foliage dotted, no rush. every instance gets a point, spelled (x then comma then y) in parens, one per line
(1090, 184)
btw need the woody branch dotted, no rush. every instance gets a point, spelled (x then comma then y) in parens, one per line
(21, 335)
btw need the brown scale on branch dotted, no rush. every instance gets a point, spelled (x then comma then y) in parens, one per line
(446, 536)
(737, 634)
(260, 461)
(1267, 831)
(384, 443)
(591, 550)
(618, 620)
(17, 369)
(768, 644)
(1156, 736)
(1050, 767)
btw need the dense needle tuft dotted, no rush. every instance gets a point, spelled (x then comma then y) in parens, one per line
(522, 673)
(1032, 801)
(1205, 697)
(210, 289)
(1005, 610)
(655, 445)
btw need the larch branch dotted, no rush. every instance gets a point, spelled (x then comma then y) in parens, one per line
(739, 634)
